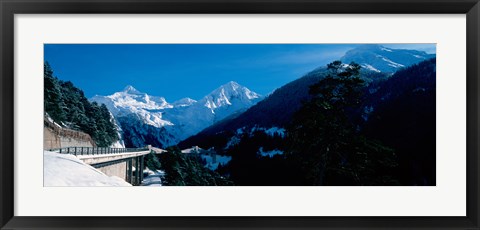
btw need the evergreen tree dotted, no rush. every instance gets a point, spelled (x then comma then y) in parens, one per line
(187, 170)
(325, 144)
(53, 99)
(75, 111)
(152, 162)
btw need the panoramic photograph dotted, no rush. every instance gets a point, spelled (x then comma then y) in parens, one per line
(239, 115)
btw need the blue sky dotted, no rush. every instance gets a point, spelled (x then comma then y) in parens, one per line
(175, 71)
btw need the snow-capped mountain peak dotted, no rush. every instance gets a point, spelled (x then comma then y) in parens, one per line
(225, 94)
(379, 58)
(131, 99)
(228, 88)
(131, 90)
(232, 84)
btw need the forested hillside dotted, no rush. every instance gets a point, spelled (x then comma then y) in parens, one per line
(404, 119)
(346, 130)
(184, 169)
(68, 106)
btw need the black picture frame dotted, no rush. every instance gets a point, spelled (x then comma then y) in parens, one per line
(9, 8)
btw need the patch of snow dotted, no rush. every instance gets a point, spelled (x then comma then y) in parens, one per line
(213, 161)
(275, 130)
(153, 178)
(369, 67)
(270, 131)
(391, 63)
(269, 153)
(68, 170)
(118, 144)
(418, 56)
(385, 49)
(240, 131)
(49, 119)
(194, 149)
(232, 142)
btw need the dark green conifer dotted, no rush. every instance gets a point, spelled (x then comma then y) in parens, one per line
(324, 142)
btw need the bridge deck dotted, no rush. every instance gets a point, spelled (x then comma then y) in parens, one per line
(96, 159)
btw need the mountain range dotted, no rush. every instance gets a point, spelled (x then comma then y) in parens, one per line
(276, 110)
(397, 111)
(146, 119)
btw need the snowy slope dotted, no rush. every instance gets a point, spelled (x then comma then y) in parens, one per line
(147, 119)
(119, 143)
(270, 153)
(212, 162)
(381, 59)
(68, 170)
(184, 102)
(153, 178)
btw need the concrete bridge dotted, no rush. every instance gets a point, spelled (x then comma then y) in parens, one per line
(126, 163)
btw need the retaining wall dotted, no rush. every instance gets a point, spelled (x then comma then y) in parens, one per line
(57, 137)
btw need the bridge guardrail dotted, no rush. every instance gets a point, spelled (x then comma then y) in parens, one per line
(95, 150)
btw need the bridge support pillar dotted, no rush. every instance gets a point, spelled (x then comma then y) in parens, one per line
(129, 171)
(133, 172)
(142, 166)
(137, 171)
